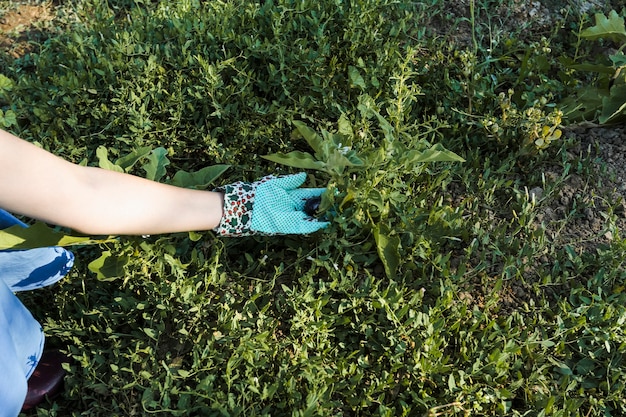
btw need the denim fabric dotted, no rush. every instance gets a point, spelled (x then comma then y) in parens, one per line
(24, 270)
(21, 345)
(21, 336)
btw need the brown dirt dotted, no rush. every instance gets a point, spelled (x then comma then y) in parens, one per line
(20, 27)
(595, 195)
(583, 207)
(535, 18)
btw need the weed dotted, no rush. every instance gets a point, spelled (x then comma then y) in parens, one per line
(603, 102)
(440, 288)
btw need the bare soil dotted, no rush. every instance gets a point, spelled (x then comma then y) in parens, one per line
(20, 27)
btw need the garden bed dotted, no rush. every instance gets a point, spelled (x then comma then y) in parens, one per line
(492, 286)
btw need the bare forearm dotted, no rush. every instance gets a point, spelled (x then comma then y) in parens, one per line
(38, 184)
(113, 203)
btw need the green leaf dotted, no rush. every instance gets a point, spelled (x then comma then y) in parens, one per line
(40, 235)
(351, 195)
(337, 161)
(128, 161)
(311, 137)
(353, 158)
(388, 249)
(355, 78)
(614, 105)
(297, 159)
(436, 153)
(375, 198)
(5, 83)
(584, 106)
(199, 179)
(618, 59)
(387, 128)
(8, 118)
(602, 69)
(103, 160)
(157, 161)
(607, 28)
(108, 267)
(345, 127)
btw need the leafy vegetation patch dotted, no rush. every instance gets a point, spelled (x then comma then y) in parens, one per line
(604, 101)
(441, 286)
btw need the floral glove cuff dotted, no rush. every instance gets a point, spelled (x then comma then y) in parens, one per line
(238, 203)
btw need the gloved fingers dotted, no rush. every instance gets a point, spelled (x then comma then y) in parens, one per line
(287, 182)
(294, 222)
(278, 207)
(301, 195)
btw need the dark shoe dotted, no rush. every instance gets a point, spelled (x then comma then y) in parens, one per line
(47, 380)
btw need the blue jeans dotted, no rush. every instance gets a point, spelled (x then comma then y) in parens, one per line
(21, 336)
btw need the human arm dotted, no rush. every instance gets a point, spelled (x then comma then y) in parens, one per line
(38, 184)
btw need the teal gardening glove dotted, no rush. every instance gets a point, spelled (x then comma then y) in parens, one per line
(269, 206)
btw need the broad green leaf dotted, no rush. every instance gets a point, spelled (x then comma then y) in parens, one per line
(366, 106)
(345, 127)
(338, 161)
(312, 138)
(199, 179)
(328, 200)
(5, 83)
(40, 235)
(356, 79)
(103, 160)
(451, 383)
(618, 59)
(387, 128)
(350, 196)
(388, 249)
(297, 159)
(436, 153)
(8, 118)
(128, 161)
(375, 156)
(354, 159)
(602, 69)
(108, 266)
(561, 367)
(614, 105)
(152, 334)
(584, 106)
(157, 161)
(375, 198)
(607, 28)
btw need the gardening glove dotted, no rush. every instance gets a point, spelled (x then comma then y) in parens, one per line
(269, 206)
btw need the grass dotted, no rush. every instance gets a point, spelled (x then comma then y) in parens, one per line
(439, 289)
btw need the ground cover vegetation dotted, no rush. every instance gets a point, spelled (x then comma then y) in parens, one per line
(440, 288)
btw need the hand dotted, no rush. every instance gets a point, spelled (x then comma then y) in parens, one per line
(269, 206)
